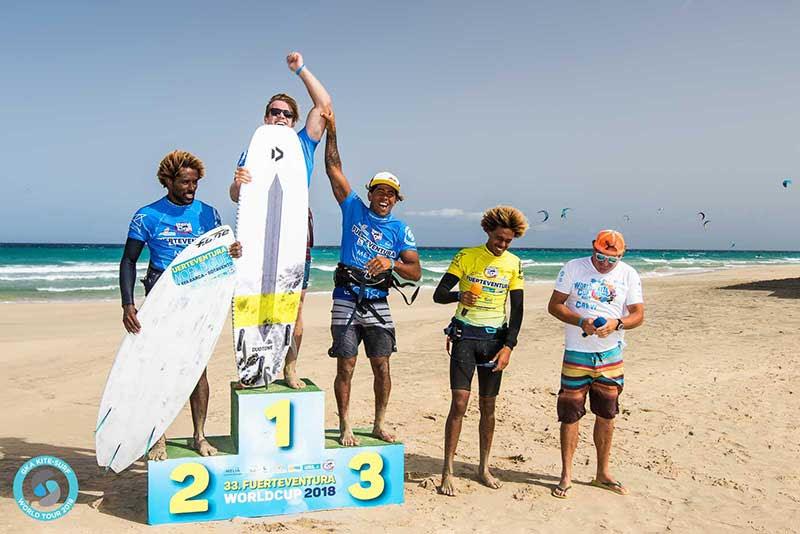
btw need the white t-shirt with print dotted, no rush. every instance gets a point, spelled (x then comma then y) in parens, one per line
(592, 294)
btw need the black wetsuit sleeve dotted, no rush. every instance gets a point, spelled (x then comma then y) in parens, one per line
(127, 269)
(443, 295)
(515, 321)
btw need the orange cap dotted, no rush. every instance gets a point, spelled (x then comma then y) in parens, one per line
(609, 242)
(476, 289)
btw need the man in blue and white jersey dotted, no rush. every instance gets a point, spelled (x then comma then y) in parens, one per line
(374, 243)
(167, 226)
(282, 110)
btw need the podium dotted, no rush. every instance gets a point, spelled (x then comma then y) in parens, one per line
(278, 459)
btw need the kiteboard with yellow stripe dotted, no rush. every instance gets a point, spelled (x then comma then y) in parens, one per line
(271, 224)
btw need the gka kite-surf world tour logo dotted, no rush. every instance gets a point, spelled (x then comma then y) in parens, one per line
(45, 488)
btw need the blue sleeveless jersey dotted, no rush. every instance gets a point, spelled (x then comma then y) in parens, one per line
(168, 228)
(365, 235)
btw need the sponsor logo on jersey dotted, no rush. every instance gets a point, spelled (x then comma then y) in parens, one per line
(363, 239)
(409, 238)
(377, 234)
(184, 227)
(500, 283)
(490, 271)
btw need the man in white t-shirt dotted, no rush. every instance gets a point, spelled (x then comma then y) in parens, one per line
(587, 289)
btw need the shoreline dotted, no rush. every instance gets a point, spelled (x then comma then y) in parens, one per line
(674, 272)
(431, 247)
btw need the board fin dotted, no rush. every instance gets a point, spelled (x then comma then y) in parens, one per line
(287, 337)
(112, 457)
(240, 340)
(149, 440)
(103, 420)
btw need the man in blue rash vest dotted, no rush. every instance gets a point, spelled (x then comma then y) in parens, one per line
(374, 244)
(167, 226)
(282, 110)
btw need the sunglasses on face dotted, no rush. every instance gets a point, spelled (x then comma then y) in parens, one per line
(603, 257)
(275, 112)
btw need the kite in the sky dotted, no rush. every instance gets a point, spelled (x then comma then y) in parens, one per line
(701, 215)
(627, 218)
(705, 224)
(733, 244)
(546, 215)
(660, 211)
(786, 183)
(564, 212)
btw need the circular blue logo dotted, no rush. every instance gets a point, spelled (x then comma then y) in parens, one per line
(45, 488)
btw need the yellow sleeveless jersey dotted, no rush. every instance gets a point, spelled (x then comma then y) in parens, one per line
(497, 275)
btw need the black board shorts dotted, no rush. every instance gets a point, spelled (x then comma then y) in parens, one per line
(467, 355)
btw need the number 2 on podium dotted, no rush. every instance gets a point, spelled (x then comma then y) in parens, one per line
(281, 412)
(181, 502)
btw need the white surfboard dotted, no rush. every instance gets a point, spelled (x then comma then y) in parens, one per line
(156, 370)
(272, 225)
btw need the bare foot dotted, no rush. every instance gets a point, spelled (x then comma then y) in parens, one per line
(293, 382)
(447, 487)
(204, 447)
(347, 439)
(488, 480)
(158, 452)
(382, 434)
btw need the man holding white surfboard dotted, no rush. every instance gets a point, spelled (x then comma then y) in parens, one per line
(282, 110)
(168, 226)
(374, 244)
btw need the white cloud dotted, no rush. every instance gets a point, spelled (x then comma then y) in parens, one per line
(447, 213)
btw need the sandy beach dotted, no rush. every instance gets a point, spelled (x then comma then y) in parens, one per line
(708, 437)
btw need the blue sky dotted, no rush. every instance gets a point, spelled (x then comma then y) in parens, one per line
(610, 108)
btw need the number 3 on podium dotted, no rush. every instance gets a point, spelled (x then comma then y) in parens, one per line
(371, 475)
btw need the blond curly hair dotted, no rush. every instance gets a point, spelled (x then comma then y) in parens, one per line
(176, 160)
(505, 217)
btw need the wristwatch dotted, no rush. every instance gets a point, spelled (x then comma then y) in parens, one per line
(620, 325)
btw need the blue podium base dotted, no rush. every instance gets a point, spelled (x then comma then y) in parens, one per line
(276, 461)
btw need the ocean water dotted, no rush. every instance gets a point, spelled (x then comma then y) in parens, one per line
(66, 272)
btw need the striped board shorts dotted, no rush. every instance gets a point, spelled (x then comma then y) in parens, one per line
(378, 337)
(600, 374)
(343, 309)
